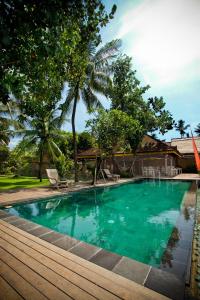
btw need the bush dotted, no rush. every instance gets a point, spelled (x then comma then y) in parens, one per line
(64, 166)
(4, 158)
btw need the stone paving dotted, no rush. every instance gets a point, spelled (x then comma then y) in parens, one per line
(13, 196)
(21, 195)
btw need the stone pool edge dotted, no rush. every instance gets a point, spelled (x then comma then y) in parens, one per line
(161, 281)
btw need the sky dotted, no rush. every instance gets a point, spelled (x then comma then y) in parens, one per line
(162, 37)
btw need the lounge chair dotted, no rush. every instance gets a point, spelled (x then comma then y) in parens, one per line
(110, 175)
(54, 179)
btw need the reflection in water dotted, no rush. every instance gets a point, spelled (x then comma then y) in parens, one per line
(168, 253)
(186, 213)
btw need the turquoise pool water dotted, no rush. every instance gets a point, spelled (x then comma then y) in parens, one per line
(134, 219)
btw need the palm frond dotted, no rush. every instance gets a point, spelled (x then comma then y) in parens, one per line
(106, 53)
(90, 99)
(55, 148)
(25, 132)
(108, 50)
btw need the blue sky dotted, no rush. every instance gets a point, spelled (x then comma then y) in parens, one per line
(162, 37)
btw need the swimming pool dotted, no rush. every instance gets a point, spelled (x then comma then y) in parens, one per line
(134, 219)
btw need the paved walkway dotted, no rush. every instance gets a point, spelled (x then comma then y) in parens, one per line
(188, 176)
(20, 195)
(13, 196)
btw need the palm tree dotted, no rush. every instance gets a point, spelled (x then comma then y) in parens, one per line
(197, 129)
(8, 114)
(181, 127)
(42, 132)
(96, 80)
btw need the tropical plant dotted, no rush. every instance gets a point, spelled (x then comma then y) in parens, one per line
(4, 158)
(63, 165)
(93, 78)
(42, 131)
(181, 127)
(112, 130)
(126, 94)
(52, 32)
(8, 120)
(85, 141)
(197, 130)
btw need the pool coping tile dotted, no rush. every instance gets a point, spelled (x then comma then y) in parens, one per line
(52, 236)
(105, 259)
(28, 226)
(165, 283)
(85, 250)
(132, 269)
(66, 242)
(40, 231)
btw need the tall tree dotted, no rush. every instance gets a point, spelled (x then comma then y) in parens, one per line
(42, 132)
(112, 130)
(8, 120)
(181, 127)
(127, 94)
(93, 78)
(50, 48)
(197, 130)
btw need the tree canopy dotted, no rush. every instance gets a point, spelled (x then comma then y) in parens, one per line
(127, 95)
(45, 41)
(197, 130)
(112, 129)
(181, 127)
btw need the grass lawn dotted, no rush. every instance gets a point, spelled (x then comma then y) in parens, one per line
(9, 182)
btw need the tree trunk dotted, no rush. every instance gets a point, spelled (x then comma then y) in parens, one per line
(40, 165)
(74, 135)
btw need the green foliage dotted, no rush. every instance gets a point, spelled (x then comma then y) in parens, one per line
(85, 141)
(126, 94)
(50, 46)
(4, 158)
(8, 120)
(64, 141)
(93, 78)
(64, 166)
(181, 127)
(112, 129)
(20, 157)
(197, 130)
(41, 133)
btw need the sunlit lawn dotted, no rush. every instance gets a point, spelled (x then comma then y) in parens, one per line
(9, 182)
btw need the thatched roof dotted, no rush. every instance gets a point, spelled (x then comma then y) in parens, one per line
(184, 145)
(148, 145)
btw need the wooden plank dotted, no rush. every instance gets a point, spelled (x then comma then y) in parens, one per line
(24, 288)
(31, 278)
(79, 281)
(65, 288)
(7, 292)
(73, 266)
(102, 277)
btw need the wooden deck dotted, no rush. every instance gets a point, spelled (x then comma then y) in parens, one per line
(31, 268)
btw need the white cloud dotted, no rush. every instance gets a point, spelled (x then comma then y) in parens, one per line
(163, 38)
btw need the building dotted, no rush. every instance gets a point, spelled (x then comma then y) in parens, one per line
(185, 147)
(151, 153)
